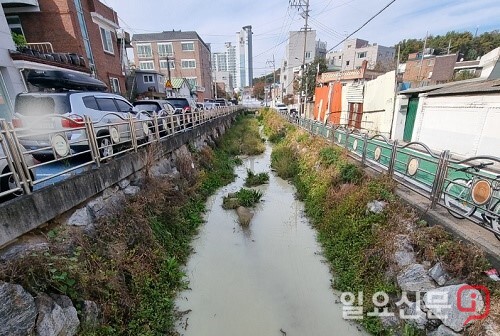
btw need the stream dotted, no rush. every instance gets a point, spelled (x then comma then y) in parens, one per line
(267, 279)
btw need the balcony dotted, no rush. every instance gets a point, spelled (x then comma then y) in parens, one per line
(41, 56)
(16, 6)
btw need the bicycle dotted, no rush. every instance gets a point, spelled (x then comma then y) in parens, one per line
(463, 197)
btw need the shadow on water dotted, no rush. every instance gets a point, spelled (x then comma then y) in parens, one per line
(267, 279)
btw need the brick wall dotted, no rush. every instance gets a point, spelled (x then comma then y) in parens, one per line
(57, 22)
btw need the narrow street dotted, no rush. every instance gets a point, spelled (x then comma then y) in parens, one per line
(268, 279)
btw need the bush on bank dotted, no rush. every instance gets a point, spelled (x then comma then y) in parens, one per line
(131, 265)
(358, 244)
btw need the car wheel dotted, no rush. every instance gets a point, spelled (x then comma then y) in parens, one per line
(9, 183)
(105, 147)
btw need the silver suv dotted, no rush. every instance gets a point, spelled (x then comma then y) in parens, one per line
(41, 115)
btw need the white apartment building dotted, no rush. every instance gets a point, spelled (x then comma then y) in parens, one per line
(355, 51)
(244, 62)
(294, 55)
(226, 62)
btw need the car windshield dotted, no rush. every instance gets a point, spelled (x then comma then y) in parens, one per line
(150, 107)
(36, 105)
(178, 102)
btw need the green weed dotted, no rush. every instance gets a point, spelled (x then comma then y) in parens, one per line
(253, 179)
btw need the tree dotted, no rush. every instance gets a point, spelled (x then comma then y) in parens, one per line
(258, 90)
(316, 67)
(468, 46)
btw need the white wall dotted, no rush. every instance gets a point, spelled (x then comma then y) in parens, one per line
(378, 104)
(466, 125)
(398, 126)
(11, 75)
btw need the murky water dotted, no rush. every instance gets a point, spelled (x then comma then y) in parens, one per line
(268, 279)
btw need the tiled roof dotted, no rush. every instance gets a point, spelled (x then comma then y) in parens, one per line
(177, 82)
(483, 86)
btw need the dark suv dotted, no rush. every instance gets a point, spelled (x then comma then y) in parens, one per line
(186, 104)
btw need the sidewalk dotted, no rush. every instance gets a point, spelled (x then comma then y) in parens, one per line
(462, 229)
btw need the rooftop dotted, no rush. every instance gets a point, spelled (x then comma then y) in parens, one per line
(171, 35)
(471, 86)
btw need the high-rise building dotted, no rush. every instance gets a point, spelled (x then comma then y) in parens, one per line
(181, 54)
(295, 56)
(226, 62)
(244, 62)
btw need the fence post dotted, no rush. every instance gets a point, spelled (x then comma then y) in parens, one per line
(13, 156)
(133, 135)
(442, 171)
(92, 140)
(346, 145)
(392, 163)
(157, 130)
(365, 147)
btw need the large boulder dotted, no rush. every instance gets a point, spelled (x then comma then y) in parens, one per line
(438, 274)
(454, 305)
(415, 279)
(404, 254)
(80, 217)
(443, 330)
(417, 317)
(244, 215)
(17, 310)
(376, 206)
(56, 317)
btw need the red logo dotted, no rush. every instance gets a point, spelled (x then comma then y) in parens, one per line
(471, 291)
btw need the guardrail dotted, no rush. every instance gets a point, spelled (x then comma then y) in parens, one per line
(76, 143)
(468, 188)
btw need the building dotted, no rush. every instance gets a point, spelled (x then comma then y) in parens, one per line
(294, 56)
(150, 84)
(176, 54)
(226, 61)
(429, 69)
(244, 58)
(458, 116)
(84, 28)
(11, 82)
(224, 80)
(355, 51)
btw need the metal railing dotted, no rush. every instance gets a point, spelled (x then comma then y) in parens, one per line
(61, 146)
(468, 188)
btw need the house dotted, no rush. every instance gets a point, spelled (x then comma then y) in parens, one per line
(429, 69)
(180, 88)
(459, 116)
(340, 96)
(150, 84)
(87, 30)
(355, 51)
(179, 54)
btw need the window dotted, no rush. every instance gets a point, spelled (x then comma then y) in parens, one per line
(123, 106)
(15, 24)
(146, 65)
(362, 54)
(90, 102)
(107, 40)
(115, 84)
(165, 49)
(144, 50)
(308, 54)
(188, 64)
(347, 63)
(107, 104)
(148, 79)
(340, 57)
(187, 46)
(164, 64)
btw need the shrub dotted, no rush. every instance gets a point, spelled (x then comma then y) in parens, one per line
(253, 179)
(285, 161)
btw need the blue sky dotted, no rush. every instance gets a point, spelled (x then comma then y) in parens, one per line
(217, 21)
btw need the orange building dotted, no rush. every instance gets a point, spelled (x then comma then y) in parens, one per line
(328, 103)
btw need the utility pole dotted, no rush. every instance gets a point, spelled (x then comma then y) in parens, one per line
(274, 76)
(422, 58)
(304, 6)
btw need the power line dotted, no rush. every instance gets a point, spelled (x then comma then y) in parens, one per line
(364, 24)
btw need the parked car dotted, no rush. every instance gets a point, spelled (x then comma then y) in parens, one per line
(281, 108)
(209, 105)
(38, 115)
(221, 101)
(163, 108)
(186, 104)
(7, 181)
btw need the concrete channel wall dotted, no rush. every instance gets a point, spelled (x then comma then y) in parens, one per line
(28, 212)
